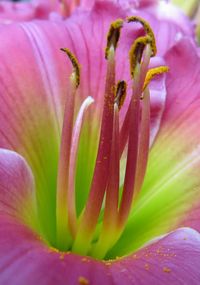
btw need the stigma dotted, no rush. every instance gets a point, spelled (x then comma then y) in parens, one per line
(105, 214)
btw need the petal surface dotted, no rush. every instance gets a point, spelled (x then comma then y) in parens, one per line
(29, 105)
(171, 260)
(25, 259)
(17, 197)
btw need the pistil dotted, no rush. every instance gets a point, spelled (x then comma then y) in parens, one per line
(73, 162)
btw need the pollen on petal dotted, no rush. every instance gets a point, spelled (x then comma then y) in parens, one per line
(166, 270)
(62, 256)
(83, 281)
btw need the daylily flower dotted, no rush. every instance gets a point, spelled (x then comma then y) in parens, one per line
(78, 202)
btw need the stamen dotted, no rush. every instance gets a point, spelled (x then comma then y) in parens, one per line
(139, 77)
(147, 30)
(89, 218)
(107, 235)
(127, 195)
(154, 72)
(131, 121)
(63, 236)
(113, 36)
(75, 64)
(73, 159)
(120, 93)
(144, 139)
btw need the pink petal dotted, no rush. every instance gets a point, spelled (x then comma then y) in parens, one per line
(25, 259)
(174, 260)
(174, 110)
(31, 99)
(158, 97)
(182, 83)
(17, 198)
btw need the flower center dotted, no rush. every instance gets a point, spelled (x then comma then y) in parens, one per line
(106, 212)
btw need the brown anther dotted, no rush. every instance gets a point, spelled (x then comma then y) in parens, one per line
(75, 64)
(113, 35)
(136, 52)
(120, 93)
(148, 30)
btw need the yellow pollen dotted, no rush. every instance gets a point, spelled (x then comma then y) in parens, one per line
(154, 72)
(120, 93)
(62, 256)
(108, 263)
(147, 30)
(113, 36)
(75, 64)
(136, 51)
(84, 259)
(166, 270)
(52, 249)
(83, 281)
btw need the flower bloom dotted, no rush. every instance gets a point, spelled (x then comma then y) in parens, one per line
(85, 208)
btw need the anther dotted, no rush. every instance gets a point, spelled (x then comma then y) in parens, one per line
(147, 30)
(136, 52)
(120, 94)
(152, 73)
(75, 64)
(113, 36)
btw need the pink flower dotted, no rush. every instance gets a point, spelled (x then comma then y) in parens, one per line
(71, 211)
